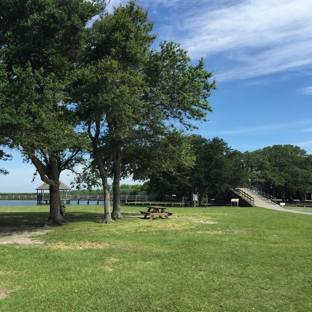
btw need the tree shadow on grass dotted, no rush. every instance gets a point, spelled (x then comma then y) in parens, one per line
(38, 219)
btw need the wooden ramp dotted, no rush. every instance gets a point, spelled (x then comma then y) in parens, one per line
(257, 199)
(263, 202)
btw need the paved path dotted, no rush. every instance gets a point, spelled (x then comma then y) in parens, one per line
(265, 203)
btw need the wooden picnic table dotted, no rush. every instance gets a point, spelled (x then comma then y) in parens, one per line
(153, 211)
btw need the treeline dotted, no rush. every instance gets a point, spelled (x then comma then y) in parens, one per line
(125, 189)
(283, 171)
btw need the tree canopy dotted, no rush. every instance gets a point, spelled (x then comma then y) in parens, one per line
(216, 168)
(41, 41)
(282, 170)
(127, 93)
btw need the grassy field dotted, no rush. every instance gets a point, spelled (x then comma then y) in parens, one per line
(201, 259)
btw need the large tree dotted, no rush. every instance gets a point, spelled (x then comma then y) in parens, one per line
(41, 43)
(129, 92)
(107, 90)
(283, 170)
(217, 167)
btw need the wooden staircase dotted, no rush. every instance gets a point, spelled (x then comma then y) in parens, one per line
(254, 198)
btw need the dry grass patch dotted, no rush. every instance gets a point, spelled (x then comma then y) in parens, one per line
(80, 245)
(206, 221)
(22, 235)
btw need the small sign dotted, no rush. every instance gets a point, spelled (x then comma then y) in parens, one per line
(234, 200)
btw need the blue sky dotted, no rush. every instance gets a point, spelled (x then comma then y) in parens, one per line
(260, 54)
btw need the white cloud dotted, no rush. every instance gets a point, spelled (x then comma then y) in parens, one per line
(268, 128)
(256, 24)
(307, 145)
(258, 37)
(239, 39)
(307, 91)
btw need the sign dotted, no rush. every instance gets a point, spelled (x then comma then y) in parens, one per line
(234, 200)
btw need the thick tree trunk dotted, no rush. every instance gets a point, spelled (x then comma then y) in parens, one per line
(300, 196)
(116, 214)
(55, 217)
(50, 173)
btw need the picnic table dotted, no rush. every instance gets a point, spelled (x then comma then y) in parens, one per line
(153, 211)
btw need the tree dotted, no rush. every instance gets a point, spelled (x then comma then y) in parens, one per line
(281, 169)
(41, 42)
(129, 92)
(217, 167)
(107, 90)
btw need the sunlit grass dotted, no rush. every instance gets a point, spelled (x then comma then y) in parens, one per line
(203, 259)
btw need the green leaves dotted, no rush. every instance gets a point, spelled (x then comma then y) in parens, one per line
(41, 42)
(282, 169)
(176, 88)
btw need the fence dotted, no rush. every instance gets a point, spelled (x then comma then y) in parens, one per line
(18, 197)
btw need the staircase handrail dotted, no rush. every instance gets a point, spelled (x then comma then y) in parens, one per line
(263, 194)
(245, 196)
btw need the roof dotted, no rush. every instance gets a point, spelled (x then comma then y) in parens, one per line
(45, 187)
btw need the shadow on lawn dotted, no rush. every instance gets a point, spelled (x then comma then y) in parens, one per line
(37, 219)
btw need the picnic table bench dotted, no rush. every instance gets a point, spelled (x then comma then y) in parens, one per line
(154, 211)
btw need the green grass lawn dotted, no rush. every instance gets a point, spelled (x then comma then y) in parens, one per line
(200, 259)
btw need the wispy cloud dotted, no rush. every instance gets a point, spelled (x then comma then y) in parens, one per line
(304, 144)
(257, 37)
(307, 90)
(267, 128)
(239, 39)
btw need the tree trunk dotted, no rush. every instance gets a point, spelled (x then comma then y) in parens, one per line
(289, 196)
(55, 217)
(50, 174)
(209, 197)
(200, 199)
(107, 215)
(107, 218)
(300, 196)
(116, 214)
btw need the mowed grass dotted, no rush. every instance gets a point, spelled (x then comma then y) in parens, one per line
(200, 259)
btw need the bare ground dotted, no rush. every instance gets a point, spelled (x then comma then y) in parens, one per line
(22, 235)
(3, 293)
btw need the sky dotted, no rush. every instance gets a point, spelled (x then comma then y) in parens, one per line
(259, 52)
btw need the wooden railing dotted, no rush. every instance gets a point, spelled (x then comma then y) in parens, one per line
(248, 198)
(265, 195)
(18, 197)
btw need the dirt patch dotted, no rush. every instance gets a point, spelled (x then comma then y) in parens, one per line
(22, 235)
(4, 293)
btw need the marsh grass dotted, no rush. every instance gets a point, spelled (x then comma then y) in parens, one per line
(203, 259)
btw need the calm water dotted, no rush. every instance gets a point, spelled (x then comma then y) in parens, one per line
(34, 202)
